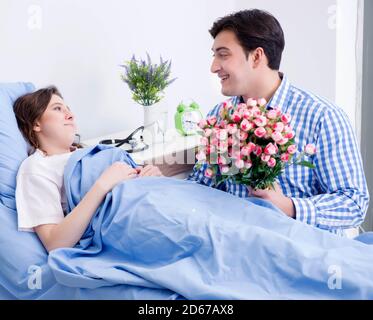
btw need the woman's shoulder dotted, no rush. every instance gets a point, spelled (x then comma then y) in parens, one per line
(33, 164)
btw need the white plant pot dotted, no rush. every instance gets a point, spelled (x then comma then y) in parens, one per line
(154, 123)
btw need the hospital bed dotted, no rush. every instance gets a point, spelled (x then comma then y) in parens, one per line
(24, 269)
(22, 257)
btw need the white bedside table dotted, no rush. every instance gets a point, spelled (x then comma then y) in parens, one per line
(175, 157)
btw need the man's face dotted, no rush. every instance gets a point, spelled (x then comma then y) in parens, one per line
(231, 65)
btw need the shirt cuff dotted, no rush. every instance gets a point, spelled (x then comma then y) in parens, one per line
(305, 210)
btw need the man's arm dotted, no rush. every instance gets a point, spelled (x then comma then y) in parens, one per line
(344, 199)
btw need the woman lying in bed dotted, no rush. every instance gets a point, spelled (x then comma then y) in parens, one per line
(49, 126)
(157, 232)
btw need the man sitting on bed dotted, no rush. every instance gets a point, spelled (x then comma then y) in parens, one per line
(247, 53)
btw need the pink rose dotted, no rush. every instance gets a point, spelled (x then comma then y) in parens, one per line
(262, 102)
(251, 146)
(201, 156)
(287, 129)
(278, 111)
(224, 169)
(260, 132)
(271, 162)
(227, 104)
(272, 114)
(257, 151)
(239, 163)
(236, 117)
(285, 118)
(285, 157)
(247, 114)
(214, 141)
(222, 160)
(243, 135)
(202, 124)
(276, 136)
(232, 128)
(211, 120)
(209, 173)
(310, 149)
(265, 157)
(256, 112)
(261, 121)
(245, 151)
(204, 141)
(282, 141)
(223, 146)
(289, 135)
(251, 102)
(278, 126)
(207, 132)
(241, 107)
(276, 148)
(246, 125)
(292, 149)
(221, 134)
(270, 149)
(236, 154)
(223, 124)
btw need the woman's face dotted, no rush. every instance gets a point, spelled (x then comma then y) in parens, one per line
(57, 124)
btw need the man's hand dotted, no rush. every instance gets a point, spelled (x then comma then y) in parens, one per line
(149, 171)
(277, 198)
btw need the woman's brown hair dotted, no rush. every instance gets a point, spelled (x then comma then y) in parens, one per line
(29, 108)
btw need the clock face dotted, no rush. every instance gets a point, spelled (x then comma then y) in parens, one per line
(190, 121)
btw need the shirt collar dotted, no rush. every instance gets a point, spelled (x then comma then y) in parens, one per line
(281, 97)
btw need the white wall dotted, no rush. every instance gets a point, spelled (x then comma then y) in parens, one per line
(81, 43)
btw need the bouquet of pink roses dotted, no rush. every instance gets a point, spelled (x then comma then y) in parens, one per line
(249, 144)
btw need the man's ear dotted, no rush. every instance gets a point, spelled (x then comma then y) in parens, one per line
(36, 127)
(257, 57)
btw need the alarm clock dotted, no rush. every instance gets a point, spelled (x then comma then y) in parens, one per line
(187, 119)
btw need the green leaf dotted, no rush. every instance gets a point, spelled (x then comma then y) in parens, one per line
(307, 164)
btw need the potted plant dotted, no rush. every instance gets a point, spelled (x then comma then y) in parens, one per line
(147, 81)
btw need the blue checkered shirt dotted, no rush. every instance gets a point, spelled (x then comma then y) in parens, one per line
(333, 196)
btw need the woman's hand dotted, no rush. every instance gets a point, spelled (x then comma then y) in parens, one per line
(115, 174)
(149, 171)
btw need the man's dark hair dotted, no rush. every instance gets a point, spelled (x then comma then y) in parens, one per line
(255, 28)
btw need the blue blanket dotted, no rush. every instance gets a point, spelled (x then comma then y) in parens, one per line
(202, 243)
